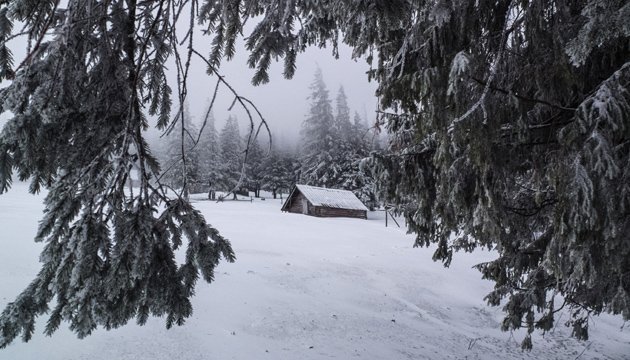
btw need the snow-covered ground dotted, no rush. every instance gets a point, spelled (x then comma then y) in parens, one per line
(305, 288)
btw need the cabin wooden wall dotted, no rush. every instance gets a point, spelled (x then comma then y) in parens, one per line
(336, 212)
(296, 203)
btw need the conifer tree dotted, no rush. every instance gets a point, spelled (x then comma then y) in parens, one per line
(360, 175)
(209, 153)
(360, 136)
(254, 166)
(278, 173)
(342, 152)
(318, 165)
(231, 156)
(343, 126)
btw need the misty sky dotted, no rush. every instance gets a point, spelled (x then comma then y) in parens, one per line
(283, 103)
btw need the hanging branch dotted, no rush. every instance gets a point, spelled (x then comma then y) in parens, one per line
(493, 72)
(38, 43)
(97, 233)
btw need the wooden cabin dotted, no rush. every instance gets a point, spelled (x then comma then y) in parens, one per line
(323, 202)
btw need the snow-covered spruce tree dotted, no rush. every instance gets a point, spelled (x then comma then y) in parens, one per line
(209, 153)
(342, 152)
(360, 176)
(350, 153)
(231, 156)
(277, 175)
(318, 164)
(342, 126)
(77, 104)
(360, 135)
(508, 129)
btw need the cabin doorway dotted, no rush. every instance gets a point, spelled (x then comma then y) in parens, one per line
(304, 206)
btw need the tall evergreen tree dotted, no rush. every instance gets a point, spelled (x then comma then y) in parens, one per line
(343, 126)
(318, 165)
(278, 175)
(342, 152)
(360, 135)
(254, 166)
(350, 153)
(209, 153)
(231, 156)
(360, 176)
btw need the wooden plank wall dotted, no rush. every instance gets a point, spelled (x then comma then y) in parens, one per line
(296, 203)
(336, 212)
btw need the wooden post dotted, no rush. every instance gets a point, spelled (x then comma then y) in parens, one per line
(385, 218)
(393, 218)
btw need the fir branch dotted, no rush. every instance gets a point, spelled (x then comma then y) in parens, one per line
(35, 49)
(521, 97)
(493, 72)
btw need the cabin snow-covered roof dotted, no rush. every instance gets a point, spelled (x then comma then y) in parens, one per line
(334, 198)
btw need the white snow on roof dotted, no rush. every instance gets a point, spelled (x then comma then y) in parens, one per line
(334, 198)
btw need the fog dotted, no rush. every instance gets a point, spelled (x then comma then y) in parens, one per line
(282, 102)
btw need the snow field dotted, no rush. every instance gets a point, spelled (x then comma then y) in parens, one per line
(305, 288)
